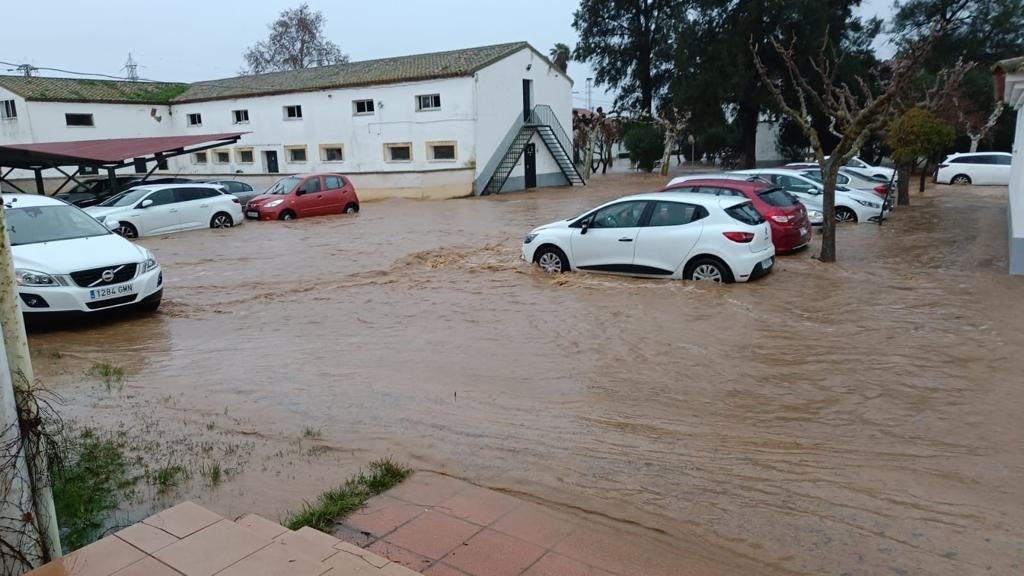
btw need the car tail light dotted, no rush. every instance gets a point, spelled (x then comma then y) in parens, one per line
(881, 189)
(741, 237)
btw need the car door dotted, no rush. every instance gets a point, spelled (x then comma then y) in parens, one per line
(158, 217)
(1001, 169)
(606, 239)
(334, 194)
(195, 207)
(309, 198)
(668, 237)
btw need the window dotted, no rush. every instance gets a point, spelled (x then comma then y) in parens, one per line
(715, 191)
(441, 151)
(161, 163)
(189, 194)
(221, 157)
(428, 102)
(8, 111)
(621, 215)
(161, 197)
(675, 214)
(240, 116)
(777, 197)
(293, 112)
(745, 213)
(856, 163)
(78, 119)
(333, 182)
(296, 154)
(310, 186)
(362, 107)
(1002, 160)
(195, 119)
(244, 155)
(398, 152)
(199, 158)
(234, 186)
(332, 153)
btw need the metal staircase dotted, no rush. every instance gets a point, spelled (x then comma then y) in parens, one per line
(542, 121)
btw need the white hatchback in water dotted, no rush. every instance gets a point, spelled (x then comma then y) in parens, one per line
(662, 235)
(68, 262)
(165, 208)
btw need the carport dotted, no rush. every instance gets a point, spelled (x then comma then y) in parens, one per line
(70, 158)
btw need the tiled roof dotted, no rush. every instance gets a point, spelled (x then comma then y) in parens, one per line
(89, 90)
(448, 64)
(1011, 66)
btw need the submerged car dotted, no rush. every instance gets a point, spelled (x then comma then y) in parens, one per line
(66, 261)
(851, 205)
(659, 235)
(975, 168)
(305, 195)
(166, 208)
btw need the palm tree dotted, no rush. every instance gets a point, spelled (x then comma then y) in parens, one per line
(560, 55)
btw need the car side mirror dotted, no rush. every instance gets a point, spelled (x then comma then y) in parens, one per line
(146, 203)
(112, 224)
(584, 226)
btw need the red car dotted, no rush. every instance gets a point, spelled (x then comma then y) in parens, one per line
(305, 195)
(787, 216)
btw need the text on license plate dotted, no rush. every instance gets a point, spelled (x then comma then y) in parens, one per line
(111, 291)
(252, 214)
(766, 264)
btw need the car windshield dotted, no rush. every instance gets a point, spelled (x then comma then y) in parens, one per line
(284, 185)
(80, 188)
(126, 198)
(777, 197)
(36, 224)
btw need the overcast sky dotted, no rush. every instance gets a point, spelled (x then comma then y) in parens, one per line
(188, 40)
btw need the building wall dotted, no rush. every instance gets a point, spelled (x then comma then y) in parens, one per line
(766, 149)
(15, 130)
(1015, 207)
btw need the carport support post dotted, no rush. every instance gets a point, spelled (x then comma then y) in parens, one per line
(112, 179)
(19, 364)
(39, 181)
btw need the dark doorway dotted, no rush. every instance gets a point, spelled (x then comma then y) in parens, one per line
(530, 165)
(270, 156)
(527, 99)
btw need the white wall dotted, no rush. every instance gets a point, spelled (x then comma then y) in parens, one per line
(766, 149)
(15, 130)
(1014, 96)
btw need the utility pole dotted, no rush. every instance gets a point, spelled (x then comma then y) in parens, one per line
(19, 367)
(131, 69)
(26, 70)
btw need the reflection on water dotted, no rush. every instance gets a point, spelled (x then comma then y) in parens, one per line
(857, 418)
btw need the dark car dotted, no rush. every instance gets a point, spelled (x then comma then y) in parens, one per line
(91, 192)
(240, 190)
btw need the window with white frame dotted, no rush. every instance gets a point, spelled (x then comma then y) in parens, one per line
(441, 151)
(362, 107)
(8, 111)
(221, 156)
(296, 154)
(199, 158)
(79, 120)
(293, 112)
(428, 102)
(244, 155)
(398, 152)
(195, 119)
(332, 153)
(240, 116)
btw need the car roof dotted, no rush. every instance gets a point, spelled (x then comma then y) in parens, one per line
(725, 182)
(688, 197)
(961, 154)
(30, 200)
(155, 187)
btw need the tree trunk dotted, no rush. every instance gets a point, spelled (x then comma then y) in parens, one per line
(666, 155)
(974, 143)
(828, 204)
(903, 184)
(748, 119)
(924, 174)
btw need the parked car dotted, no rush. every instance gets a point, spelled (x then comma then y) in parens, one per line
(95, 190)
(879, 173)
(240, 190)
(662, 235)
(65, 261)
(791, 228)
(715, 175)
(851, 205)
(305, 195)
(165, 208)
(975, 168)
(852, 179)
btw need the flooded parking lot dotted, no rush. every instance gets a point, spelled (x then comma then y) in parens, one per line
(857, 418)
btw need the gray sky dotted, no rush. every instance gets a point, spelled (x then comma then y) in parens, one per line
(188, 40)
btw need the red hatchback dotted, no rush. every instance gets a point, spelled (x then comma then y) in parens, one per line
(787, 216)
(304, 195)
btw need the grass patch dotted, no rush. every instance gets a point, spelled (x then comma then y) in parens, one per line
(110, 374)
(334, 504)
(90, 479)
(311, 432)
(213, 473)
(169, 476)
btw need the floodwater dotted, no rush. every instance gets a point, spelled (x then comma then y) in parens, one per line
(856, 418)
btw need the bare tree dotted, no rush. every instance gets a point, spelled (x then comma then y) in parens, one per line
(974, 122)
(854, 113)
(296, 41)
(674, 121)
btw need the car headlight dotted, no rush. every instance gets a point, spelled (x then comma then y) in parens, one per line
(149, 264)
(529, 237)
(273, 203)
(33, 278)
(868, 204)
(814, 215)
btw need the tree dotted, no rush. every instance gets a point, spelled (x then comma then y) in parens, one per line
(853, 113)
(296, 41)
(917, 133)
(645, 142)
(630, 44)
(560, 56)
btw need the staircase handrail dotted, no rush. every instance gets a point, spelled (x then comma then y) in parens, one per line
(492, 165)
(543, 114)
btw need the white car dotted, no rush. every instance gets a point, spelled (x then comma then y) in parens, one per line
(65, 261)
(975, 168)
(662, 235)
(163, 208)
(851, 205)
(880, 171)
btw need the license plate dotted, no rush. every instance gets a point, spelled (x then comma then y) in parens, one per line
(111, 291)
(766, 264)
(803, 231)
(252, 214)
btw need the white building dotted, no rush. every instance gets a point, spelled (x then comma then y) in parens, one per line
(436, 125)
(1010, 85)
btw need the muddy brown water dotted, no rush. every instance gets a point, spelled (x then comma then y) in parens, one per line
(856, 418)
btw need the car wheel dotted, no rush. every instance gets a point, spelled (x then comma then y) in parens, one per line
(221, 220)
(287, 215)
(127, 230)
(551, 260)
(961, 179)
(844, 214)
(708, 270)
(351, 209)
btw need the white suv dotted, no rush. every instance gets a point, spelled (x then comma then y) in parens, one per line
(975, 168)
(662, 235)
(65, 261)
(164, 208)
